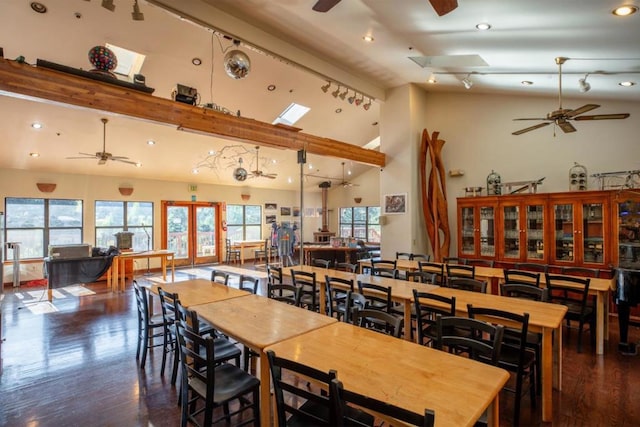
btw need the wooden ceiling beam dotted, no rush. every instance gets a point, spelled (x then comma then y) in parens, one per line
(43, 84)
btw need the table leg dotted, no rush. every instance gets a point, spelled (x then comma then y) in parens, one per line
(123, 275)
(600, 319)
(265, 390)
(407, 320)
(173, 268)
(163, 263)
(115, 274)
(493, 412)
(546, 365)
(323, 297)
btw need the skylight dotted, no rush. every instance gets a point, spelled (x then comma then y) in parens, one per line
(291, 114)
(129, 62)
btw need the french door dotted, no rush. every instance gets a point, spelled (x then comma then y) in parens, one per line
(190, 230)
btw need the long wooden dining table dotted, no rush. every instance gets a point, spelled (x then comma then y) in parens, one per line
(401, 290)
(544, 318)
(259, 322)
(199, 291)
(600, 288)
(402, 373)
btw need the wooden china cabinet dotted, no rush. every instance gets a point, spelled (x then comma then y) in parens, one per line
(560, 229)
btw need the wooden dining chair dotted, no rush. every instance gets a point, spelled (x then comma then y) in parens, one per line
(522, 276)
(232, 255)
(458, 270)
(346, 266)
(336, 295)
(467, 284)
(378, 296)
(379, 321)
(421, 257)
(427, 307)
(248, 283)
(433, 267)
(343, 402)
(150, 326)
(309, 291)
(462, 335)
(221, 277)
(284, 292)
(262, 253)
(215, 385)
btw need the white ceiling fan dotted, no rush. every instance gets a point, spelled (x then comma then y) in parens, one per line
(103, 156)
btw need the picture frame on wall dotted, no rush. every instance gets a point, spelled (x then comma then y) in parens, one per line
(285, 211)
(270, 219)
(395, 203)
(270, 206)
(296, 211)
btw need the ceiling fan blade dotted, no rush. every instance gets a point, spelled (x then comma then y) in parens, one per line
(325, 5)
(119, 157)
(566, 126)
(604, 116)
(583, 109)
(270, 176)
(90, 157)
(533, 118)
(102, 161)
(538, 126)
(442, 7)
(122, 160)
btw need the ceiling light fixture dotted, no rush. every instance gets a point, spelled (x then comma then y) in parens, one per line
(136, 14)
(36, 125)
(627, 84)
(432, 79)
(352, 98)
(338, 110)
(625, 10)
(368, 38)
(467, 82)
(359, 101)
(151, 142)
(583, 85)
(367, 105)
(326, 87)
(196, 61)
(483, 26)
(38, 7)
(34, 154)
(344, 94)
(526, 83)
(108, 4)
(336, 92)
(271, 88)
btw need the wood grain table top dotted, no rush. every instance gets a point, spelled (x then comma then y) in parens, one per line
(199, 291)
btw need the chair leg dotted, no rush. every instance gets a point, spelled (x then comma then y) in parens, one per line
(139, 339)
(145, 345)
(165, 348)
(580, 330)
(176, 361)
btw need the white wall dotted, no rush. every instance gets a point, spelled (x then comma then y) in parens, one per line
(19, 183)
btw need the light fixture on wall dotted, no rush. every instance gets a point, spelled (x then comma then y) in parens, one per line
(344, 94)
(367, 105)
(359, 101)
(326, 87)
(126, 191)
(357, 199)
(46, 187)
(136, 14)
(467, 82)
(583, 85)
(245, 197)
(336, 92)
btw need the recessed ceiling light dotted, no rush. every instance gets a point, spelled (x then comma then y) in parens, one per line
(627, 84)
(138, 165)
(38, 7)
(368, 38)
(338, 110)
(526, 83)
(36, 125)
(195, 171)
(625, 10)
(196, 61)
(151, 142)
(34, 154)
(289, 180)
(432, 79)
(310, 166)
(483, 26)
(271, 88)
(211, 152)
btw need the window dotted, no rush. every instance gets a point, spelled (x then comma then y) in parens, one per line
(114, 216)
(38, 223)
(363, 223)
(244, 222)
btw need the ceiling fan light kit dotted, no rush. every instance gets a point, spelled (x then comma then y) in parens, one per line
(104, 156)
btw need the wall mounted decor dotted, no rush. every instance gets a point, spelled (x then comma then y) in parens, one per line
(46, 187)
(126, 191)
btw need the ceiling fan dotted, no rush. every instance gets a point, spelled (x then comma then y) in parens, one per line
(103, 156)
(257, 173)
(562, 116)
(342, 181)
(442, 7)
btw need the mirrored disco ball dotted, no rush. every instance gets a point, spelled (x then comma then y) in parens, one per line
(237, 64)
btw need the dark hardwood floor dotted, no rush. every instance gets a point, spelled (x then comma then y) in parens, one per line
(72, 363)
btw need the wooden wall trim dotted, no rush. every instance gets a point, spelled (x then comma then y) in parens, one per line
(25, 81)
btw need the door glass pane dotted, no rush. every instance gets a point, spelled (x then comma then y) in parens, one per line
(206, 231)
(468, 231)
(629, 235)
(535, 232)
(511, 226)
(592, 232)
(563, 226)
(178, 231)
(487, 231)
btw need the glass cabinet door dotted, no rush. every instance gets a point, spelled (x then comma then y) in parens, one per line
(535, 232)
(629, 235)
(468, 231)
(511, 227)
(563, 231)
(487, 231)
(592, 233)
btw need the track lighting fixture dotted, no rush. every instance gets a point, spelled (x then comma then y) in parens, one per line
(108, 4)
(344, 94)
(583, 85)
(352, 98)
(136, 14)
(326, 87)
(367, 105)
(467, 82)
(336, 92)
(359, 101)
